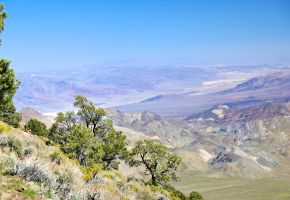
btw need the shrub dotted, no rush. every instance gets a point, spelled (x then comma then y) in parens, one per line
(12, 143)
(8, 165)
(3, 142)
(91, 171)
(33, 143)
(131, 178)
(162, 197)
(55, 157)
(145, 195)
(195, 196)
(33, 171)
(63, 186)
(174, 191)
(27, 150)
(37, 127)
(22, 127)
(4, 127)
(121, 185)
(108, 175)
(55, 185)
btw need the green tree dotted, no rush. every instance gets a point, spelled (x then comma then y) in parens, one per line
(90, 115)
(79, 143)
(87, 140)
(2, 18)
(114, 148)
(159, 163)
(36, 127)
(8, 86)
(112, 143)
(195, 196)
(60, 130)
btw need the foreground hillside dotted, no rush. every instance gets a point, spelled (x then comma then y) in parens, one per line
(31, 168)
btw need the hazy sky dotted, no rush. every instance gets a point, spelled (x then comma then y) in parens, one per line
(67, 33)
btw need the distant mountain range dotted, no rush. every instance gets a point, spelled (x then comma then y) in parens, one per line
(280, 80)
(106, 85)
(268, 88)
(223, 113)
(112, 85)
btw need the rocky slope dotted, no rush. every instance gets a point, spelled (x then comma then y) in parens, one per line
(248, 142)
(238, 141)
(30, 113)
(224, 113)
(171, 132)
(263, 82)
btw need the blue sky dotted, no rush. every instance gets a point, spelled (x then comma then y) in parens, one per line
(56, 34)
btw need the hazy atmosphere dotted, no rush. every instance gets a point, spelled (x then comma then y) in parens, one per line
(56, 35)
(145, 100)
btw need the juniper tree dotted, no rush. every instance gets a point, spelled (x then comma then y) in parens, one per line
(90, 115)
(36, 127)
(8, 85)
(159, 162)
(88, 135)
(2, 18)
(62, 127)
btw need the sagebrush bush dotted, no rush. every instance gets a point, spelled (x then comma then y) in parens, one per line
(57, 185)
(33, 171)
(63, 186)
(27, 150)
(8, 165)
(145, 195)
(12, 143)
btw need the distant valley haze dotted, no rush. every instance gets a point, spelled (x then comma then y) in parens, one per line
(50, 92)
